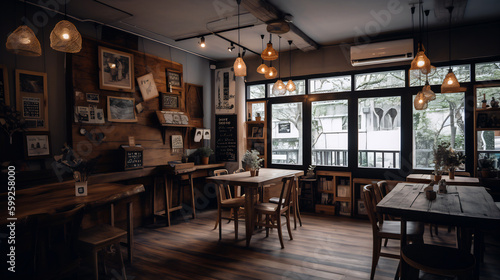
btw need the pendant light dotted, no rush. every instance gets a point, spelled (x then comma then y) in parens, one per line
(428, 93)
(262, 69)
(240, 69)
(420, 62)
(420, 102)
(450, 82)
(65, 37)
(279, 87)
(23, 41)
(290, 85)
(271, 72)
(269, 53)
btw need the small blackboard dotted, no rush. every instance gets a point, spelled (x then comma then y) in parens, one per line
(284, 127)
(132, 157)
(226, 135)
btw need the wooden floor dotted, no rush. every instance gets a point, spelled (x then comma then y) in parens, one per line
(325, 247)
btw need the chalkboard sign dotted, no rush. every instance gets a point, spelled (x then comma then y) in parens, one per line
(132, 157)
(226, 145)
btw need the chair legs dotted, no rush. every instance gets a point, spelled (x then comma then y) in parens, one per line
(219, 222)
(377, 243)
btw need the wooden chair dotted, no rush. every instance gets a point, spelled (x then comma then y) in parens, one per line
(273, 212)
(294, 204)
(386, 229)
(225, 201)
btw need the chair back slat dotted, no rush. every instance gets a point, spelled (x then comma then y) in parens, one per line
(369, 198)
(223, 191)
(286, 191)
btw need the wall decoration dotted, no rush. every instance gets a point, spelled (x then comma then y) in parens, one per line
(121, 109)
(133, 157)
(82, 114)
(116, 70)
(257, 131)
(96, 115)
(32, 99)
(92, 97)
(36, 145)
(169, 101)
(177, 142)
(139, 108)
(174, 79)
(147, 86)
(4, 86)
(224, 91)
(362, 208)
(198, 135)
(206, 134)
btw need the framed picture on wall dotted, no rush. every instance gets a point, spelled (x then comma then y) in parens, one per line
(116, 70)
(4, 86)
(32, 99)
(174, 79)
(121, 109)
(147, 86)
(36, 145)
(169, 101)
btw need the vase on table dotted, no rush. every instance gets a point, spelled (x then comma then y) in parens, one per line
(204, 160)
(451, 173)
(436, 178)
(254, 172)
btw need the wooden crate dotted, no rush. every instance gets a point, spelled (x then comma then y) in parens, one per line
(325, 209)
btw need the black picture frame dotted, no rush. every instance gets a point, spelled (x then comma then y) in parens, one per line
(169, 101)
(174, 79)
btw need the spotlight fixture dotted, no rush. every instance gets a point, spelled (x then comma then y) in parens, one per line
(202, 42)
(230, 48)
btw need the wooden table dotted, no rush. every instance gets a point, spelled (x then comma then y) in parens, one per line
(458, 180)
(266, 176)
(49, 198)
(463, 206)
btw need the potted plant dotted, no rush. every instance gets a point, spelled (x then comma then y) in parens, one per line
(252, 161)
(440, 157)
(486, 165)
(310, 172)
(205, 153)
(453, 161)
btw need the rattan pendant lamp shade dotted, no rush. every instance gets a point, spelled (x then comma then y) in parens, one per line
(290, 85)
(65, 37)
(269, 53)
(23, 41)
(262, 69)
(271, 72)
(279, 87)
(450, 83)
(240, 68)
(420, 102)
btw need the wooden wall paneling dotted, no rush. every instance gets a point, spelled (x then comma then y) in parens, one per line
(194, 103)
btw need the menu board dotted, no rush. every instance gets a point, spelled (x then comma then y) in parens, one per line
(226, 135)
(133, 157)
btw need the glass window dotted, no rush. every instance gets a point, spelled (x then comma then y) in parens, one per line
(257, 91)
(462, 72)
(443, 120)
(287, 133)
(486, 93)
(329, 133)
(379, 80)
(300, 88)
(330, 84)
(379, 135)
(488, 71)
(488, 147)
(256, 107)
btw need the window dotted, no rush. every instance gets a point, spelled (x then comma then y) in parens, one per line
(287, 133)
(379, 136)
(488, 71)
(256, 107)
(329, 133)
(443, 120)
(486, 93)
(380, 80)
(300, 88)
(462, 72)
(257, 91)
(330, 84)
(488, 146)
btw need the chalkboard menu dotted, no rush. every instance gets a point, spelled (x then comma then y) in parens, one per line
(226, 145)
(132, 157)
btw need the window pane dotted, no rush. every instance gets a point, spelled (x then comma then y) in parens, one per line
(330, 84)
(488, 146)
(257, 91)
(379, 135)
(389, 79)
(259, 108)
(287, 133)
(300, 88)
(462, 72)
(329, 133)
(443, 120)
(486, 94)
(488, 71)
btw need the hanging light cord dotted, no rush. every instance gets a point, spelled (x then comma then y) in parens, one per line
(262, 45)
(279, 62)
(450, 9)
(290, 52)
(426, 12)
(413, 22)
(239, 48)
(65, 5)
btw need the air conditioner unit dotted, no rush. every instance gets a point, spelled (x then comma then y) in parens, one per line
(383, 52)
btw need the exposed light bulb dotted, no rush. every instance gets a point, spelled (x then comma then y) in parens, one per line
(420, 101)
(420, 63)
(450, 81)
(239, 65)
(25, 40)
(269, 53)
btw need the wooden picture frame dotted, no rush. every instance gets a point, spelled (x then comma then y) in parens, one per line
(174, 79)
(4, 86)
(36, 145)
(116, 70)
(32, 99)
(169, 101)
(147, 86)
(121, 109)
(257, 131)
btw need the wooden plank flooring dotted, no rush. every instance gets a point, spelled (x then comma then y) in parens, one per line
(325, 247)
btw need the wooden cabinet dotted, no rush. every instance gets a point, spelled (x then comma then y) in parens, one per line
(359, 209)
(334, 193)
(257, 138)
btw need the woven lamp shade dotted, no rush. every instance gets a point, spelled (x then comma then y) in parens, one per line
(420, 102)
(451, 84)
(262, 69)
(269, 53)
(290, 86)
(279, 88)
(428, 93)
(23, 42)
(271, 73)
(421, 62)
(240, 68)
(65, 37)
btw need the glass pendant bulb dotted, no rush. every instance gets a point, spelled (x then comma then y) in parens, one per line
(23, 41)
(240, 68)
(65, 37)
(271, 73)
(269, 53)
(279, 88)
(262, 69)
(420, 102)
(290, 86)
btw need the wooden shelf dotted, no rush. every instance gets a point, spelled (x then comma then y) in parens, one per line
(487, 128)
(257, 143)
(488, 110)
(334, 181)
(326, 191)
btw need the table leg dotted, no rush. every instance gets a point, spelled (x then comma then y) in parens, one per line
(192, 195)
(403, 265)
(249, 218)
(130, 231)
(167, 198)
(477, 251)
(296, 203)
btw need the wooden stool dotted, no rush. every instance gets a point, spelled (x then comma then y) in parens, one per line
(100, 237)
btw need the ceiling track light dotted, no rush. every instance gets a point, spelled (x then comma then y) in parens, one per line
(230, 48)
(202, 42)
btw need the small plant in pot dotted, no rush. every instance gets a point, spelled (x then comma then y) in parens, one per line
(486, 165)
(453, 161)
(252, 161)
(310, 172)
(205, 153)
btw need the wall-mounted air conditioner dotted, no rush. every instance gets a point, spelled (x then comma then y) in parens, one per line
(383, 52)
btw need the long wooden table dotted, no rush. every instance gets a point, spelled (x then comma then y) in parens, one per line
(458, 180)
(267, 176)
(463, 206)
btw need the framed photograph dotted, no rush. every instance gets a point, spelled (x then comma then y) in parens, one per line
(92, 97)
(116, 70)
(174, 79)
(257, 131)
(32, 99)
(36, 145)
(169, 101)
(343, 191)
(362, 208)
(4, 86)
(177, 142)
(121, 109)
(147, 86)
